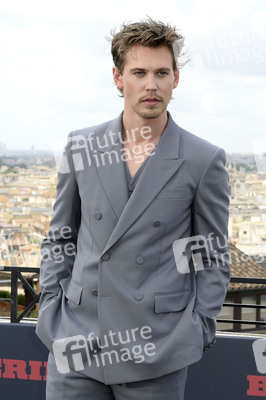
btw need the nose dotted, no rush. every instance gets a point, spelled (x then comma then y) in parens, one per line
(150, 83)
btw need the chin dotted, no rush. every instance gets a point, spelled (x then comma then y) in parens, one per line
(152, 114)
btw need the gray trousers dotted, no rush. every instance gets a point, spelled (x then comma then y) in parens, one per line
(74, 386)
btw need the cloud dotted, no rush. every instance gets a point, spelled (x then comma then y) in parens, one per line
(55, 67)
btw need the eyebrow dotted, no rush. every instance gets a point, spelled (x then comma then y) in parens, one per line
(143, 69)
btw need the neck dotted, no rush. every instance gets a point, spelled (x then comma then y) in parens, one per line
(140, 129)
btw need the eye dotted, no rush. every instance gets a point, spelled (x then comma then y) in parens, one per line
(162, 73)
(139, 73)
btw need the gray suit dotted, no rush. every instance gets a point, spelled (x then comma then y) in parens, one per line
(125, 278)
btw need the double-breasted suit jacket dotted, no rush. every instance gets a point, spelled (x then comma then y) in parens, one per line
(110, 271)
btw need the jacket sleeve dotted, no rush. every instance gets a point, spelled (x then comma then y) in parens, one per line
(210, 220)
(59, 246)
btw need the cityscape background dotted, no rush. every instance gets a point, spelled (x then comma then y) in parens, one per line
(28, 190)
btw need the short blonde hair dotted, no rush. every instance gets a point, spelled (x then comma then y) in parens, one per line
(149, 33)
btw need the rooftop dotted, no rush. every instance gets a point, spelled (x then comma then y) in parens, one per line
(244, 266)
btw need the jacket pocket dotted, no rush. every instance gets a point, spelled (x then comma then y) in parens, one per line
(171, 302)
(180, 194)
(72, 290)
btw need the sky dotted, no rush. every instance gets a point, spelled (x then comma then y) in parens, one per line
(56, 68)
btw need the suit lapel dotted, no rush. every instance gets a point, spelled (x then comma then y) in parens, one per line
(159, 169)
(110, 166)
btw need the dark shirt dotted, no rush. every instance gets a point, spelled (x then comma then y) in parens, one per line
(132, 181)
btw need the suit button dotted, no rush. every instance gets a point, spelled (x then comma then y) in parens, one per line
(156, 223)
(138, 296)
(140, 260)
(94, 292)
(105, 257)
(98, 215)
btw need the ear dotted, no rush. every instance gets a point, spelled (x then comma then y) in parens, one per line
(118, 78)
(176, 79)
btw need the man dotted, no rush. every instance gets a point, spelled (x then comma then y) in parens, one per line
(133, 271)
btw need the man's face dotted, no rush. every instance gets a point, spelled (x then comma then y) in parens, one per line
(147, 81)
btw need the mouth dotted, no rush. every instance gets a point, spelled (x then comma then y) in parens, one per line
(151, 101)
